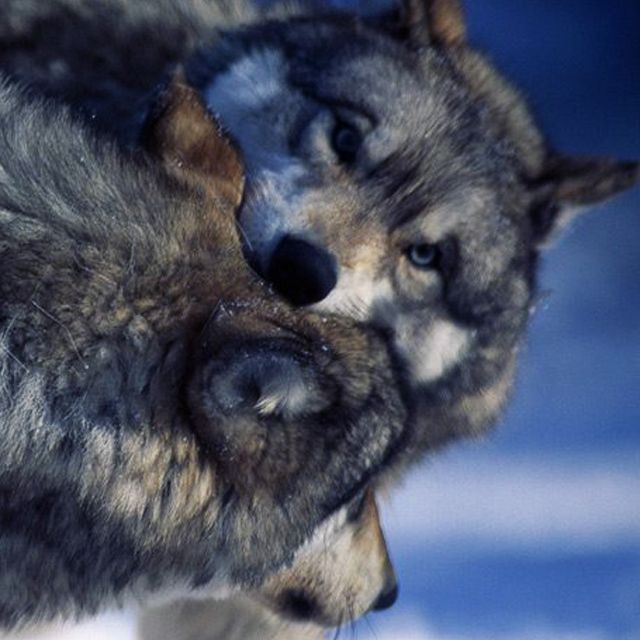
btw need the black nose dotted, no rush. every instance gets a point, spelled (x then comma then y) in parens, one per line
(387, 598)
(302, 272)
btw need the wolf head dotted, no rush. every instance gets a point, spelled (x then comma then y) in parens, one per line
(395, 177)
(341, 573)
(167, 422)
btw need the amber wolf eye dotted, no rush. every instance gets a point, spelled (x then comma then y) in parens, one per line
(424, 256)
(345, 142)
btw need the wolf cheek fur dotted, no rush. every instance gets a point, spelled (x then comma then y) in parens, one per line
(114, 280)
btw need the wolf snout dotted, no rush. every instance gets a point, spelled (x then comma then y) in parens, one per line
(387, 597)
(269, 381)
(301, 271)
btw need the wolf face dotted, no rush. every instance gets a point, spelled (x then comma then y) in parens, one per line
(395, 177)
(167, 423)
(340, 574)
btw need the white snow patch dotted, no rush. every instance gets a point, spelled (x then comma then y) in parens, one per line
(519, 503)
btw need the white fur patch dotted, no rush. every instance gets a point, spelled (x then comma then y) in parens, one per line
(218, 589)
(355, 295)
(247, 84)
(272, 206)
(252, 87)
(431, 353)
(325, 533)
(284, 397)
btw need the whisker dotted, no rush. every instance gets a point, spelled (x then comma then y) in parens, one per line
(372, 628)
(93, 272)
(212, 315)
(14, 357)
(339, 627)
(66, 329)
(352, 622)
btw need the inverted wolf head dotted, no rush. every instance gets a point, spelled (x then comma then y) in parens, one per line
(167, 422)
(394, 176)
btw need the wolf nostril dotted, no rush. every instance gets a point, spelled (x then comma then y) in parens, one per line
(299, 605)
(387, 598)
(302, 272)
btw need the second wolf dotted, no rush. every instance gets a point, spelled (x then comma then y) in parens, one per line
(168, 425)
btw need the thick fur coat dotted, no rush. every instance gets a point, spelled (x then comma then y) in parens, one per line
(167, 423)
(431, 197)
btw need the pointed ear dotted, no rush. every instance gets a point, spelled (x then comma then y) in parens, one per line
(184, 136)
(569, 185)
(433, 22)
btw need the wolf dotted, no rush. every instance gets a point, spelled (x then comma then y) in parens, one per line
(169, 426)
(393, 174)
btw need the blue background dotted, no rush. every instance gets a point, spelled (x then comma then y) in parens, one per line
(554, 551)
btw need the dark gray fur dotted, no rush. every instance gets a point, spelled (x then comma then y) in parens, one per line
(121, 290)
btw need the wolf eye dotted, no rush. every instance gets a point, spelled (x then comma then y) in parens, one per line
(423, 256)
(345, 141)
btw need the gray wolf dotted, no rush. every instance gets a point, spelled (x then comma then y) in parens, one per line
(168, 425)
(390, 166)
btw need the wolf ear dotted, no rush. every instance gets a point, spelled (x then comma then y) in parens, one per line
(433, 22)
(184, 136)
(569, 185)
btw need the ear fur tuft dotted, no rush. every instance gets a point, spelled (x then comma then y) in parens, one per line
(568, 185)
(188, 141)
(434, 22)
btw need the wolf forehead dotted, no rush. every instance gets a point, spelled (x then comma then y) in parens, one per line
(418, 105)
